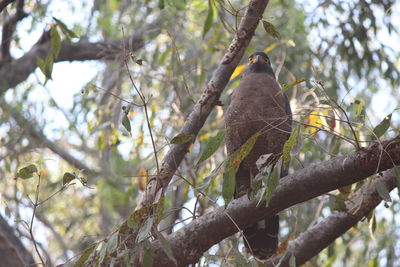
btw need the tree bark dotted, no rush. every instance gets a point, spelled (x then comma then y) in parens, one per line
(191, 241)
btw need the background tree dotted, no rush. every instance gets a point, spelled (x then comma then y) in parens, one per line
(96, 129)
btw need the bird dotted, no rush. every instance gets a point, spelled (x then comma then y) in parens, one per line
(258, 106)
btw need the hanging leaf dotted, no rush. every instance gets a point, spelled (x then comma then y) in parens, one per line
(85, 255)
(27, 172)
(166, 247)
(383, 126)
(68, 177)
(182, 138)
(55, 42)
(228, 185)
(289, 144)
(314, 119)
(272, 46)
(142, 179)
(232, 165)
(67, 32)
(270, 29)
(209, 19)
(287, 86)
(243, 151)
(238, 70)
(126, 123)
(383, 191)
(292, 261)
(272, 182)
(148, 257)
(211, 146)
(161, 4)
(145, 229)
(372, 225)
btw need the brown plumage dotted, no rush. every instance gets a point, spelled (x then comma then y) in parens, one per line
(255, 107)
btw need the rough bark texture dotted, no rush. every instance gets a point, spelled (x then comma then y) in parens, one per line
(12, 251)
(191, 241)
(16, 71)
(311, 242)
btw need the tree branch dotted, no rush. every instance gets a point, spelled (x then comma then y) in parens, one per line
(191, 241)
(40, 139)
(311, 242)
(18, 70)
(4, 4)
(210, 97)
(9, 29)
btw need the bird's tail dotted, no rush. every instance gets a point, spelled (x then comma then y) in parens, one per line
(261, 239)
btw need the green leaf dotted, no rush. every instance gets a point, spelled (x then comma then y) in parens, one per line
(292, 261)
(270, 29)
(211, 146)
(126, 123)
(67, 32)
(161, 4)
(289, 144)
(85, 255)
(242, 152)
(145, 229)
(182, 138)
(209, 19)
(287, 86)
(41, 64)
(383, 126)
(55, 42)
(228, 185)
(360, 106)
(27, 172)
(166, 247)
(232, 165)
(68, 177)
(383, 191)
(372, 225)
(272, 182)
(112, 243)
(148, 257)
(397, 171)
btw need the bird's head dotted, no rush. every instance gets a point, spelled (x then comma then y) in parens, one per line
(259, 63)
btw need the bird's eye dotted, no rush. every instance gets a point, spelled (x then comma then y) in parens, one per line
(251, 59)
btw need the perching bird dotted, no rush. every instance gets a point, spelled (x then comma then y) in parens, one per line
(255, 106)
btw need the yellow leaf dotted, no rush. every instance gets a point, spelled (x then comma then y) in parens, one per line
(204, 137)
(239, 69)
(142, 178)
(131, 114)
(139, 140)
(314, 119)
(272, 46)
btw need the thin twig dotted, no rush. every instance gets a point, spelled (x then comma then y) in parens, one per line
(35, 205)
(143, 99)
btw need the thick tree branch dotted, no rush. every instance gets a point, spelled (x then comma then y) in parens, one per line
(311, 242)
(210, 97)
(12, 251)
(9, 29)
(4, 4)
(18, 70)
(191, 241)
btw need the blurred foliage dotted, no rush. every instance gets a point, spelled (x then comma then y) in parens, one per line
(340, 48)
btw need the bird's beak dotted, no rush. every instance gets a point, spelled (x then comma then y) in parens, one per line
(260, 59)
